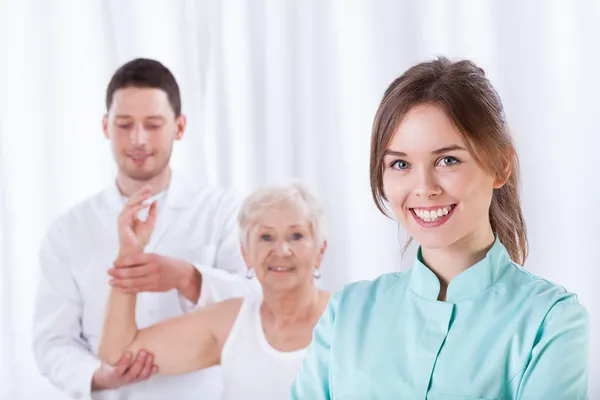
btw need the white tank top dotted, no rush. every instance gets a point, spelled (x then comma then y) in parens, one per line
(252, 368)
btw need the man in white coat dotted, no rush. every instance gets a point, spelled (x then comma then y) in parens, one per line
(192, 259)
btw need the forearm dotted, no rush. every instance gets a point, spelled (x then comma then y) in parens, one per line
(190, 283)
(120, 327)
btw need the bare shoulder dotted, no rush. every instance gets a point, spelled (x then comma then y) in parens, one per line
(221, 316)
(221, 310)
(229, 306)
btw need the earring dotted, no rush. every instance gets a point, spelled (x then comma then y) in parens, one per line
(250, 273)
(316, 273)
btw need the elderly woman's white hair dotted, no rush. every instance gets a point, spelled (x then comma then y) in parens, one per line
(295, 194)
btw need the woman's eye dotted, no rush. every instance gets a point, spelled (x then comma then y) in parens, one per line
(265, 237)
(400, 164)
(448, 161)
(297, 236)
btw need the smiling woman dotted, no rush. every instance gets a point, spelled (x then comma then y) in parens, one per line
(277, 223)
(466, 321)
(431, 180)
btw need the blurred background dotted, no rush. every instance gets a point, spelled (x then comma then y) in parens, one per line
(285, 89)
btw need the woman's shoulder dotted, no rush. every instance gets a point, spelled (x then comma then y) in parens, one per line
(221, 316)
(538, 291)
(229, 307)
(520, 277)
(382, 283)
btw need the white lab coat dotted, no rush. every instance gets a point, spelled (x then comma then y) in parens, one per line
(196, 224)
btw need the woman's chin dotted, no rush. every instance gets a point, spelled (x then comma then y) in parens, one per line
(433, 244)
(284, 284)
(435, 240)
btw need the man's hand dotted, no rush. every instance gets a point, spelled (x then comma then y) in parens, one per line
(125, 372)
(133, 232)
(148, 272)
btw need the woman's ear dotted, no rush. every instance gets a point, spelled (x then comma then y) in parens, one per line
(321, 253)
(504, 176)
(245, 255)
(502, 179)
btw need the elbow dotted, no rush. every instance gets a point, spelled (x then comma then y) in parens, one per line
(109, 355)
(111, 352)
(112, 348)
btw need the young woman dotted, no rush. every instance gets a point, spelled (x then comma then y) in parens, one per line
(260, 341)
(466, 321)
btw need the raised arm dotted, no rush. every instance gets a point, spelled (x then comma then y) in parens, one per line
(182, 344)
(61, 351)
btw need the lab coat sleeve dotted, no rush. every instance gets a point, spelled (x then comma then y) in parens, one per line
(61, 354)
(558, 368)
(226, 277)
(314, 379)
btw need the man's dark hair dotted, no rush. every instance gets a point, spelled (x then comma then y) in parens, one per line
(145, 73)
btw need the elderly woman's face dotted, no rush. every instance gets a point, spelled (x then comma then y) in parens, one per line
(282, 248)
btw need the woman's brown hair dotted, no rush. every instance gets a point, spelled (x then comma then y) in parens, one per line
(468, 98)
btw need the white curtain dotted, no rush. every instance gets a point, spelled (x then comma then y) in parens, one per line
(276, 90)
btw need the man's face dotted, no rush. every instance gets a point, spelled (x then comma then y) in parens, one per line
(142, 126)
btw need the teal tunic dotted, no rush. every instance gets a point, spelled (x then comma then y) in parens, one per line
(502, 333)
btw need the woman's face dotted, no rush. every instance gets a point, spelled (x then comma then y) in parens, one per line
(282, 248)
(434, 186)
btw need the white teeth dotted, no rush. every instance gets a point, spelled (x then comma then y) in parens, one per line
(432, 215)
(279, 269)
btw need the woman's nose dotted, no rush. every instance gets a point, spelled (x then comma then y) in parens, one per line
(283, 249)
(426, 186)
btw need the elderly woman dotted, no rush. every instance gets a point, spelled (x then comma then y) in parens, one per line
(259, 341)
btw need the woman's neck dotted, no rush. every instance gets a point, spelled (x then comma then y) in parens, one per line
(450, 261)
(291, 306)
